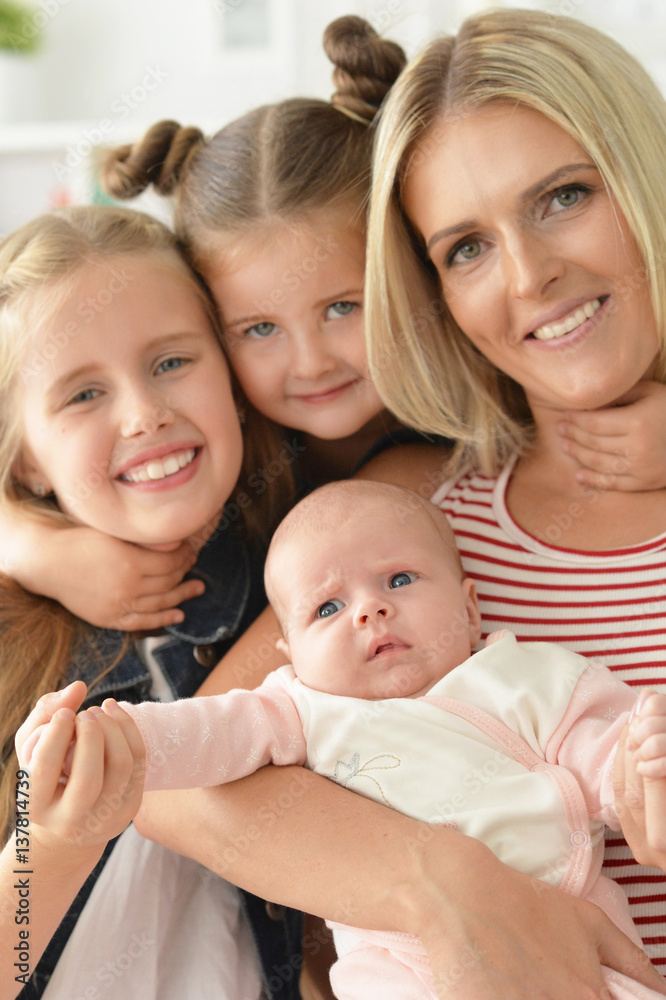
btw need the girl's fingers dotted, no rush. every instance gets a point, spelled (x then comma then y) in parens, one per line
(583, 426)
(48, 757)
(608, 481)
(574, 434)
(86, 777)
(597, 460)
(70, 697)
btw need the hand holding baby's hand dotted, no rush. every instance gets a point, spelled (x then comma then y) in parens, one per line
(102, 754)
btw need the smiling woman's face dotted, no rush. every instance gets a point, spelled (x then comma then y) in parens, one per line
(537, 264)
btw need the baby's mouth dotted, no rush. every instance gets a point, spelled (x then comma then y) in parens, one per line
(159, 468)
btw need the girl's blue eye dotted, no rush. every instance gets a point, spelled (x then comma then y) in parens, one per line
(170, 365)
(401, 579)
(84, 396)
(260, 330)
(338, 309)
(329, 608)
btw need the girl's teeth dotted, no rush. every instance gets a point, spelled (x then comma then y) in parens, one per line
(160, 470)
(551, 331)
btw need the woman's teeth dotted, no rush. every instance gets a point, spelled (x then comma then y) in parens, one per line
(575, 319)
(158, 469)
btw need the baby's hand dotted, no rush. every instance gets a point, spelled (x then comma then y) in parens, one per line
(621, 447)
(106, 767)
(647, 734)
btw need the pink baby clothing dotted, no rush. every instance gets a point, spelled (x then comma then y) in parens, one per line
(514, 747)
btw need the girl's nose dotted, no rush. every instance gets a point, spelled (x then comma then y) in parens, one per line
(310, 358)
(144, 412)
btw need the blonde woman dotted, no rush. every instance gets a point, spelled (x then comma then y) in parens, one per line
(517, 270)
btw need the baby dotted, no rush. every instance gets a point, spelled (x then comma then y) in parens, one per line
(513, 745)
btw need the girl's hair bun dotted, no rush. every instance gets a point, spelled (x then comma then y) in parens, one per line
(158, 160)
(366, 66)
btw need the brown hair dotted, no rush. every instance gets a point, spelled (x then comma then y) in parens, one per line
(278, 163)
(39, 264)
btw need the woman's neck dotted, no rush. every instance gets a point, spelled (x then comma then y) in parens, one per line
(326, 460)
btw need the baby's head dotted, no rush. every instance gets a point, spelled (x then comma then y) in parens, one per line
(367, 584)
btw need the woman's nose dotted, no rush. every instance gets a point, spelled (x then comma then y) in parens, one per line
(530, 265)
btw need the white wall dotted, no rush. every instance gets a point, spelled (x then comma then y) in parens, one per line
(109, 68)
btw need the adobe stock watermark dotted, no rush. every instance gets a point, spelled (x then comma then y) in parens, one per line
(87, 310)
(121, 108)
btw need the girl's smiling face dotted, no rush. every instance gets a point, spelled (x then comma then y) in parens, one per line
(132, 423)
(537, 264)
(292, 309)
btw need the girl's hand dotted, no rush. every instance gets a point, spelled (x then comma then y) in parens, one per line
(621, 447)
(110, 583)
(105, 783)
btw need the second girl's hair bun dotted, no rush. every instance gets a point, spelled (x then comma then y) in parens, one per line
(366, 66)
(158, 159)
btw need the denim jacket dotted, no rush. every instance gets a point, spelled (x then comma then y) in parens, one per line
(233, 598)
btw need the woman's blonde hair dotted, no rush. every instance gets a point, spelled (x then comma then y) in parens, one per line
(278, 164)
(39, 267)
(426, 370)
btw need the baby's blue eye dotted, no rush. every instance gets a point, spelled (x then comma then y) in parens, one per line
(329, 608)
(402, 579)
(338, 309)
(260, 330)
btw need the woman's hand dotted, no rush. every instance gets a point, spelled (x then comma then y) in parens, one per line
(104, 581)
(621, 447)
(504, 934)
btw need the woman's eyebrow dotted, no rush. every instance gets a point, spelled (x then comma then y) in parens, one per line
(529, 194)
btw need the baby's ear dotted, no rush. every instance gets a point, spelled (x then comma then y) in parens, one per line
(283, 646)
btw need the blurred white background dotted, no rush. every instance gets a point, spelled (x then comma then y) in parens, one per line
(105, 70)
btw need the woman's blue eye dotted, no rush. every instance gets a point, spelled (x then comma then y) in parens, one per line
(329, 608)
(338, 309)
(401, 579)
(170, 365)
(260, 330)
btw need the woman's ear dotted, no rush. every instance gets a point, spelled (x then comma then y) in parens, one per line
(26, 471)
(473, 611)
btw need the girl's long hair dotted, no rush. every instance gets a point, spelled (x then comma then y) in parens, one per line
(40, 265)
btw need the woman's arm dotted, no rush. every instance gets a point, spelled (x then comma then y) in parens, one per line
(299, 839)
(292, 836)
(104, 581)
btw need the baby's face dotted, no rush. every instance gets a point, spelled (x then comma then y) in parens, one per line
(375, 609)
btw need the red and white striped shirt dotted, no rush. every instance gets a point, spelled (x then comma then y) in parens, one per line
(610, 605)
